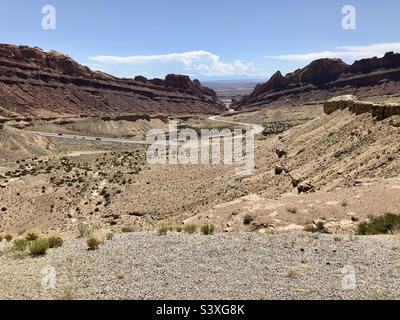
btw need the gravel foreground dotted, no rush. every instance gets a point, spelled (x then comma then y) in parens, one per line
(223, 266)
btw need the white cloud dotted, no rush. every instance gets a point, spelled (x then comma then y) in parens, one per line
(201, 62)
(349, 53)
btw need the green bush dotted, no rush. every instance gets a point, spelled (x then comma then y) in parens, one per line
(386, 224)
(208, 229)
(20, 244)
(38, 247)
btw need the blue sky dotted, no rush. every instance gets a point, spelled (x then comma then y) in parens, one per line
(206, 39)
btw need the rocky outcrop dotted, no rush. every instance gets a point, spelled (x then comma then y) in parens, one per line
(44, 84)
(327, 78)
(379, 110)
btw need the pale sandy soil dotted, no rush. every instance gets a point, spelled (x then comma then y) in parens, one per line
(229, 266)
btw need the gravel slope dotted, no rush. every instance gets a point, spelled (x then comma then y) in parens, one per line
(223, 266)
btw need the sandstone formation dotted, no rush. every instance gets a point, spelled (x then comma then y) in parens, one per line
(35, 83)
(327, 78)
(379, 110)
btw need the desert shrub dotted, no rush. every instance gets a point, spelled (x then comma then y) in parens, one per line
(386, 224)
(190, 228)
(1, 238)
(162, 229)
(248, 218)
(8, 237)
(178, 229)
(318, 228)
(93, 243)
(127, 229)
(38, 247)
(291, 210)
(293, 274)
(208, 229)
(20, 244)
(55, 241)
(32, 234)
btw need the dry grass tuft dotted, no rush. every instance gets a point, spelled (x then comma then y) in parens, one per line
(33, 234)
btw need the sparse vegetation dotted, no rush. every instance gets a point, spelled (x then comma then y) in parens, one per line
(291, 210)
(38, 247)
(162, 228)
(33, 234)
(84, 229)
(20, 244)
(127, 229)
(248, 219)
(55, 241)
(386, 224)
(317, 228)
(293, 274)
(8, 237)
(93, 242)
(208, 229)
(190, 228)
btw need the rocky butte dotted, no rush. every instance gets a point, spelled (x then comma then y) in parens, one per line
(326, 78)
(39, 84)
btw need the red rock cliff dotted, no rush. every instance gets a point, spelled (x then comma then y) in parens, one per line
(35, 83)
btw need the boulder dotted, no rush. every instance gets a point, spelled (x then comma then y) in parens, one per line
(305, 188)
(279, 169)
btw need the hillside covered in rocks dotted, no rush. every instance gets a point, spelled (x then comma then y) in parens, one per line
(326, 78)
(35, 83)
